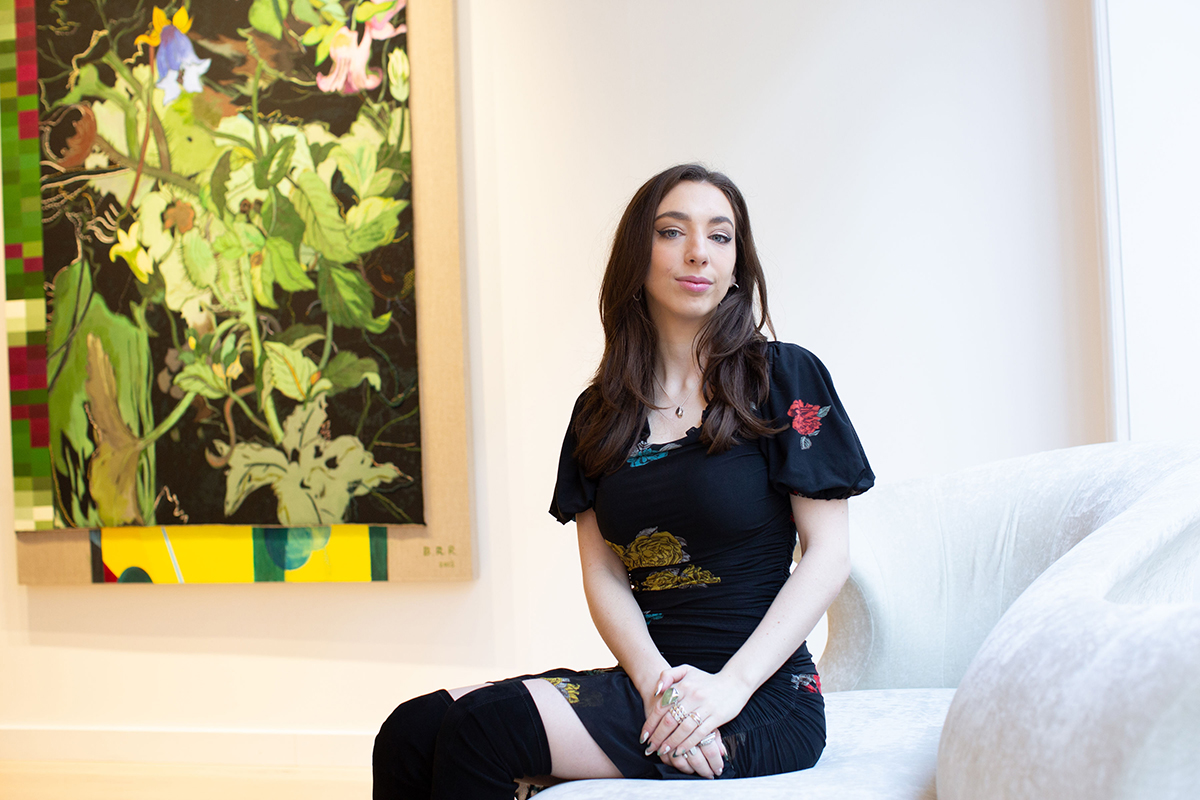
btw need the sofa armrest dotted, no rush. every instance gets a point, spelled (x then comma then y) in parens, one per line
(1088, 686)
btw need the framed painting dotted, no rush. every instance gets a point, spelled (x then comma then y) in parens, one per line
(233, 294)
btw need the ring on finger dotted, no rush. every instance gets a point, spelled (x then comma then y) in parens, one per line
(677, 712)
(696, 718)
(671, 697)
(707, 740)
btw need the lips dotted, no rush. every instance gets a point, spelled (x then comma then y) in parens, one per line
(695, 283)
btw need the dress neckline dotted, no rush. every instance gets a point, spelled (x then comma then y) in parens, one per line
(688, 434)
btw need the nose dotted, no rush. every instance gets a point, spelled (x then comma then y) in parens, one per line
(697, 253)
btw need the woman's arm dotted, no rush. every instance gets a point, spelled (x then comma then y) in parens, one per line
(823, 527)
(616, 614)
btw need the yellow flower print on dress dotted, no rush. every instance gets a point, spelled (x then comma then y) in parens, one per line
(674, 578)
(652, 548)
(569, 690)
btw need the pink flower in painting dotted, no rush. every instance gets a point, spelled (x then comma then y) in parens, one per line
(380, 27)
(350, 74)
(806, 419)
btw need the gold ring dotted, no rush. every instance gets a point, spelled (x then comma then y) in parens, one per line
(677, 712)
(693, 715)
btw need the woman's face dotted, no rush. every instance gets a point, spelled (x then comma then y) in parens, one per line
(693, 256)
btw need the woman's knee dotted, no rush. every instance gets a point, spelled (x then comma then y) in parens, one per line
(413, 724)
(481, 711)
(490, 737)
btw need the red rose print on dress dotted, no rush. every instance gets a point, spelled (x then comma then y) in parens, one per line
(806, 419)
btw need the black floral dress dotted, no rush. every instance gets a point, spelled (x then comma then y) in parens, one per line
(707, 541)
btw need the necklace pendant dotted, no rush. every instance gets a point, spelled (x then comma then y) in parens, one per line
(679, 411)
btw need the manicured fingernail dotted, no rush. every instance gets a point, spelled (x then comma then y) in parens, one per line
(658, 690)
(645, 736)
(662, 751)
(649, 749)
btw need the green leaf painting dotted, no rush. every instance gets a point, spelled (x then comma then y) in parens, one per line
(226, 204)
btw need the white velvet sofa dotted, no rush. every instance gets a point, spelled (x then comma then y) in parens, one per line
(1028, 628)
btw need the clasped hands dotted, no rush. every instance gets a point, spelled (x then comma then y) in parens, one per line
(683, 716)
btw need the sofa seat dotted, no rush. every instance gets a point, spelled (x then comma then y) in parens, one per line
(881, 744)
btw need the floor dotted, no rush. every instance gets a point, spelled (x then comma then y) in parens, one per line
(81, 780)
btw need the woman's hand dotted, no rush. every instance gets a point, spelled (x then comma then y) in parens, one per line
(688, 707)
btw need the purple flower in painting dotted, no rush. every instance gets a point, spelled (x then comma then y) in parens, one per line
(176, 60)
(177, 63)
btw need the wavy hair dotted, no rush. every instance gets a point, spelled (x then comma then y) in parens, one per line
(730, 345)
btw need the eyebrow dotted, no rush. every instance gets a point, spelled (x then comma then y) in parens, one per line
(679, 215)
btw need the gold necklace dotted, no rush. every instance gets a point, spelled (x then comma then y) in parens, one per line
(678, 407)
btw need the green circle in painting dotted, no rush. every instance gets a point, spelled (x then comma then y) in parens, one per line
(290, 548)
(134, 575)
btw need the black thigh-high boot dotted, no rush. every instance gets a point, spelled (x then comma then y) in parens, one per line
(402, 762)
(489, 738)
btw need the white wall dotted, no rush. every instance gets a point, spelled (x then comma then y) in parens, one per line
(1155, 65)
(921, 179)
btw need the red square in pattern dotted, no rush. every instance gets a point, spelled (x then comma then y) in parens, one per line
(27, 124)
(16, 361)
(33, 264)
(39, 433)
(14, 250)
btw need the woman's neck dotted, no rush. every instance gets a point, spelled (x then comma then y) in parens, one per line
(676, 356)
(677, 370)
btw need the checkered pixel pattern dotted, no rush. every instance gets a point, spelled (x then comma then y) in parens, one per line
(25, 304)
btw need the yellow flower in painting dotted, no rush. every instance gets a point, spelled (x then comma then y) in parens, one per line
(181, 21)
(674, 578)
(569, 690)
(654, 548)
(397, 72)
(130, 251)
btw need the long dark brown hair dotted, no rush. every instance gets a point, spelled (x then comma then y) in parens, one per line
(730, 346)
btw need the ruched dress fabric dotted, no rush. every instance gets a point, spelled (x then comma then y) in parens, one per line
(707, 541)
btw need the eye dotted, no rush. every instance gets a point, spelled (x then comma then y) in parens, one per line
(721, 238)
(670, 233)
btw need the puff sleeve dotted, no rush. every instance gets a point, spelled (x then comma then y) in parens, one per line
(818, 455)
(573, 492)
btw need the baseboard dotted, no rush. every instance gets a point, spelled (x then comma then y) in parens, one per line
(77, 780)
(254, 748)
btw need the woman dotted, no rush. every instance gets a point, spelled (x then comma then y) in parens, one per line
(684, 465)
